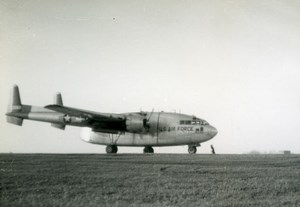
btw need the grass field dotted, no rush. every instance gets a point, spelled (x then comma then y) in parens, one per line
(149, 180)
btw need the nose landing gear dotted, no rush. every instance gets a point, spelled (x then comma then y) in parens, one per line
(111, 149)
(192, 149)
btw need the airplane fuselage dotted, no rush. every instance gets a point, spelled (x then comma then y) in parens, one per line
(166, 129)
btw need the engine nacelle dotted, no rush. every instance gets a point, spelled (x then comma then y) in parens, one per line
(135, 123)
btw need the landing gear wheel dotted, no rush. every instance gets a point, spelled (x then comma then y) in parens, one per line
(148, 150)
(151, 150)
(192, 149)
(115, 148)
(111, 149)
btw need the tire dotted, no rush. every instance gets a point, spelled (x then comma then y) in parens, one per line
(151, 150)
(192, 149)
(111, 149)
(115, 149)
(148, 150)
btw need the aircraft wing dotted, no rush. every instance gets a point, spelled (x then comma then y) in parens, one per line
(79, 112)
(98, 121)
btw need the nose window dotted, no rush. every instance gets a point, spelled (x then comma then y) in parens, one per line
(201, 129)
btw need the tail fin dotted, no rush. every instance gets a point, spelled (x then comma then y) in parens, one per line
(58, 101)
(15, 105)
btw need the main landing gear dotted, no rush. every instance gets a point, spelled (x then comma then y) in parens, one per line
(111, 149)
(192, 149)
(148, 150)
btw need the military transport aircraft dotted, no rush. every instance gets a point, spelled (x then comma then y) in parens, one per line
(144, 129)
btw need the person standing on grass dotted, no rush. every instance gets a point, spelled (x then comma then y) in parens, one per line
(212, 149)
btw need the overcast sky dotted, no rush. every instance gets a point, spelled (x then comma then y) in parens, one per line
(233, 63)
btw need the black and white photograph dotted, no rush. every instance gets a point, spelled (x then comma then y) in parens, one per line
(149, 103)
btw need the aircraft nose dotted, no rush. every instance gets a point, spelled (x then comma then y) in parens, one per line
(213, 131)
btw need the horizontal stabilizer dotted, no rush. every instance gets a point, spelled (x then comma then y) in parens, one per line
(59, 126)
(14, 120)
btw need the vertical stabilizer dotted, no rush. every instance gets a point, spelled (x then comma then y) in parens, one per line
(58, 101)
(15, 100)
(14, 106)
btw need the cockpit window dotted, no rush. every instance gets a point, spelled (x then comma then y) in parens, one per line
(187, 122)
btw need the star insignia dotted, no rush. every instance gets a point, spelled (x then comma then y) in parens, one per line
(67, 118)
